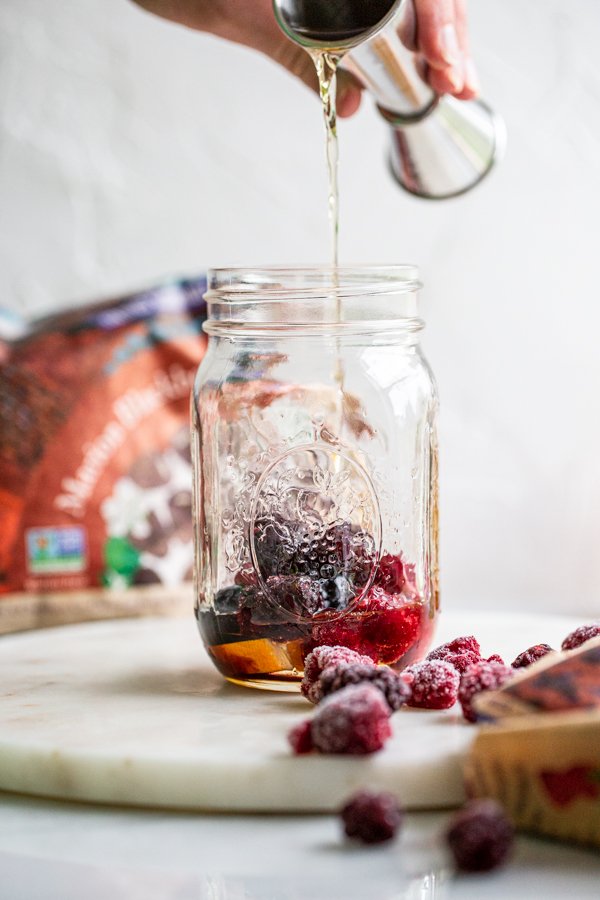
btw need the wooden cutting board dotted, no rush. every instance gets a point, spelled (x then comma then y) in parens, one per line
(132, 712)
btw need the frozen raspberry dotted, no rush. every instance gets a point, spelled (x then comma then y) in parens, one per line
(527, 657)
(480, 836)
(300, 738)
(460, 652)
(395, 690)
(480, 676)
(434, 684)
(318, 660)
(495, 657)
(372, 817)
(580, 636)
(354, 720)
(390, 574)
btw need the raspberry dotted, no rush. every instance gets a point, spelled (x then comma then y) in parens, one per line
(382, 625)
(300, 738)
(580, 636)
(527, 657)
(434, 684)
(395, 690)
(461, 652)
(480, 676)
(371, 817)
(318, 660)
(495, 657)
(480, 836)
(354, 720)
(390, 574)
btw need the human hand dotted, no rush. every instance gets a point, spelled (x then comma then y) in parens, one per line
(435, 29)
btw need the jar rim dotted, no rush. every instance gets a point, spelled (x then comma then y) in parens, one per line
(276, 283)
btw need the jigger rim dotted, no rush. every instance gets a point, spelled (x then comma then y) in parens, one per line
(349, 44)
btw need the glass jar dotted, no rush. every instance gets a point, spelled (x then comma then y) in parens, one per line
(315, 458)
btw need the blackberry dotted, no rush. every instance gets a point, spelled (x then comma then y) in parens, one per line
(480, 676)
(372, 818)
(318, 660)
(480, 836)
(392, 686)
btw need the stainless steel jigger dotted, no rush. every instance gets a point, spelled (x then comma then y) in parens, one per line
(440, 147)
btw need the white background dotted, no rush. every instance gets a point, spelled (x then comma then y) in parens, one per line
(131, 150)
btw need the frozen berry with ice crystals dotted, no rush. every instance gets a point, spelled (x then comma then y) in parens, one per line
(318, 660)
(580, 636)
(433, 684)
(480, 836)
(354, 720)
(495, 657)
(480, 676)
(300, 737)
(527, 657)
(371, 817)
(393, 687)
(460, 652)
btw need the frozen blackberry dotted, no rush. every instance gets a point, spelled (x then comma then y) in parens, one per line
(354, 720)
(318, 660)
(395, 690)
(527, 657)
(433, 684)
(372, 818)
(300, 738)
(481, 676)
(580, 636)
(461, 652)
(480, 836)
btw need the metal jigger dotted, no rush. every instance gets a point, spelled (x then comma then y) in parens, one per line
(440, 147)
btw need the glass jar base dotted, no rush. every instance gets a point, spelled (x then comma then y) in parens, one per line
(284, 682)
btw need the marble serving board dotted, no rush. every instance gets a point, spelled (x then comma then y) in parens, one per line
(132, 712)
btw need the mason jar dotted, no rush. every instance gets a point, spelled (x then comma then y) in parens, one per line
(315, 460)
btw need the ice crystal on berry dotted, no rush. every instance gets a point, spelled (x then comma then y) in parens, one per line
(580, 636)
(434, 684)
(318, 660)
(480, 676)
(354, 720)
(395, 690)
(527, 657)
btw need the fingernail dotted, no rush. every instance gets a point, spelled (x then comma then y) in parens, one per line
(456, 79)
(449, 45)
(471, 76)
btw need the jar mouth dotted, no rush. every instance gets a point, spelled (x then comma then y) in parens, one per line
(270, 284)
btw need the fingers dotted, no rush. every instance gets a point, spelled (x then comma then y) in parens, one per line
(349, 94)
(437, 31)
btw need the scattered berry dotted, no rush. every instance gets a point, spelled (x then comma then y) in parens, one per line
(395, 690)
(372, 817)
(434, 684)
(527, 657)
(480, 836)
(461, 652)
(480, 676)
(318, 660)
(354, 720)
(580, 636)
(300, 738)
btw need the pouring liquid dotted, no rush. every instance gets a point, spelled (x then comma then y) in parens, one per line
(326, 63)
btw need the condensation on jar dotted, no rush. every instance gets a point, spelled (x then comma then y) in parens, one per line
(315, 461)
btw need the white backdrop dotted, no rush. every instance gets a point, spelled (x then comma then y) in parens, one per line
(131, 149)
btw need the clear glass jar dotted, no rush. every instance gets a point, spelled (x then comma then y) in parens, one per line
(315, 457)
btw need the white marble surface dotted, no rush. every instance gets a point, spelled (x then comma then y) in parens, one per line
(61, 851)
(133, 712)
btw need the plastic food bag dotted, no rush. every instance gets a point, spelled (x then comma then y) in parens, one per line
(95, 474)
